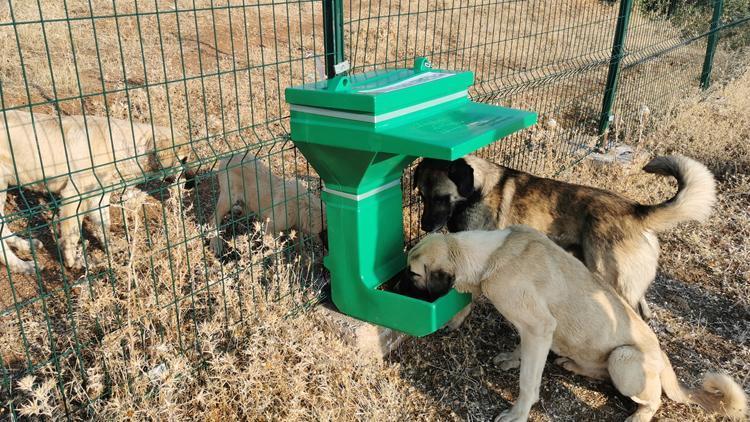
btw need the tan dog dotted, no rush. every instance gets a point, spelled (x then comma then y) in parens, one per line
(614, 236)
(248, 185)
(556, 304)
(77, 157)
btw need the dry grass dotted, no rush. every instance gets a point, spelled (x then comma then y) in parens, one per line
(160, 328)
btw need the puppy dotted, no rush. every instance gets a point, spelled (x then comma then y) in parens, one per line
(247, 185)
(614, 236)
(556, 304)
(79, 158)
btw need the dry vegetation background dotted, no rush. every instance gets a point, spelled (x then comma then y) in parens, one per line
(161, 328)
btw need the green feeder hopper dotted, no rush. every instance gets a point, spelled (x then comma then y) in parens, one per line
(359, 132)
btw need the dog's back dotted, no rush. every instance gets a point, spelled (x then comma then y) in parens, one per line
(32, 149)
(90, 149)
(574, 295)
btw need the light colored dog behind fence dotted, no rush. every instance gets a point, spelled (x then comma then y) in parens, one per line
(248, 185)
(76, 156)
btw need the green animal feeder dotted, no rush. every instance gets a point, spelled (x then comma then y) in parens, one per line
(359, 132)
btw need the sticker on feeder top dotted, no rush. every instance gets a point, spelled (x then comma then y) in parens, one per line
(413, 81)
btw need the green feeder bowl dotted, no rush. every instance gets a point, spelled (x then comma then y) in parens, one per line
(359, 132)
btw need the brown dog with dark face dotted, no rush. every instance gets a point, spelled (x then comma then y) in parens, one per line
(614, 236)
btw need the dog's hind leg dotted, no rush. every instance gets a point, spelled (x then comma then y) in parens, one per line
(70, 227)
(595, 258)
(223, 206)
(637, 261)
(629, 273)
(98, 208)
(638, 378)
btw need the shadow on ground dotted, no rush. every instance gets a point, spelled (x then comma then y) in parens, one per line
(456, 371)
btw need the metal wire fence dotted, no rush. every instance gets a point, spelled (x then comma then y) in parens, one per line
(107, 104)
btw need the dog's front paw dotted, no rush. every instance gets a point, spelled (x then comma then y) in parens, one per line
(507, 361)
(512, 415)
(73, 258)
(458, 319)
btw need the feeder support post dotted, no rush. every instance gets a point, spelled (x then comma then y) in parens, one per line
(618, 49)
(713, 40)
(333, 35)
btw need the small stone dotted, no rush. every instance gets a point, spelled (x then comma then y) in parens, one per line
(157, 373)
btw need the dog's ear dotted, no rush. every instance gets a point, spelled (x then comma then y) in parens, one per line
(416, 175)
(462, 175)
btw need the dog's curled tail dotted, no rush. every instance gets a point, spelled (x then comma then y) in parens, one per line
(695, 197)
(719, 393)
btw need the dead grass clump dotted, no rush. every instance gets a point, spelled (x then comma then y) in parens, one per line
(187, 362)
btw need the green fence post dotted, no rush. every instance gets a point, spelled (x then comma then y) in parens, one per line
(618, 48)
(713, 39)
(333, 34)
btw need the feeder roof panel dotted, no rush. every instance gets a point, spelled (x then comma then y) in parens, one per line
(380, 91)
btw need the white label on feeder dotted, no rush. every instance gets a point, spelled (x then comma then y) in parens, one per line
(414, 80)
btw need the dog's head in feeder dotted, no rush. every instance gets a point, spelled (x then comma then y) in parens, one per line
(430, 265)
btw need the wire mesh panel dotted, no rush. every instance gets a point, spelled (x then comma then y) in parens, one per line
(105, 106)
(149, 188)
(660, 67)
(550, 57)
(547, 56)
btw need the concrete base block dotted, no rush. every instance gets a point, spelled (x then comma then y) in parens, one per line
(371, 340)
